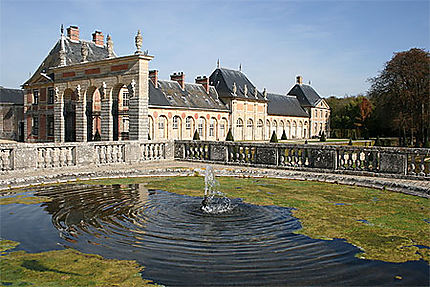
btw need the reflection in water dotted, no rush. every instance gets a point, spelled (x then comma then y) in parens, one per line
(179, 244)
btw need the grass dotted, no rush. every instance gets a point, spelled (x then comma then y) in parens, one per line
(385, 225)
(66, 268)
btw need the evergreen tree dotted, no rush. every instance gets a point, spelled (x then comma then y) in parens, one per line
(322, 138)
(274, 138)
(350, 141)
(196, 136)
(229, 136)
(284, 136)
(97, 136)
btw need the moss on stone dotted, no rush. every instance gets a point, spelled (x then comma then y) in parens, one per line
(67, 268)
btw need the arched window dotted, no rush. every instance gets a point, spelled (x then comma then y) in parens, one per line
(250, 129)
(162, 127)
(239, 129)
(212, 127)
(201, 128)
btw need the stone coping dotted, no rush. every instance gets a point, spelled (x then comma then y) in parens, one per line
(20, 179)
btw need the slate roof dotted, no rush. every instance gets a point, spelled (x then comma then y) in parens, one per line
(12, 96)
(73, 55)
(222, 79)
(306, 95)
(281, 105)
(170, 94)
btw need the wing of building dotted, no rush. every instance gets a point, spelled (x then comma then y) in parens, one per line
(83, 91)
(12, 114)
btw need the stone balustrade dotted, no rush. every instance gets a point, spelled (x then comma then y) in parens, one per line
(22, 156)
(371, 161)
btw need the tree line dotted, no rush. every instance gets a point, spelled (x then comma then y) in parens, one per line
(397, 103)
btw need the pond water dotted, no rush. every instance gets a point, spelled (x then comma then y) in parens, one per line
(180, 245)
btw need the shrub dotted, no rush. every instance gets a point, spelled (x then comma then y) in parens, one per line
(149, 137)
(229, 136)
(284, 136)
(274, 138)
(350, 141)
(196, 136)
(377, 141)
(322, 138)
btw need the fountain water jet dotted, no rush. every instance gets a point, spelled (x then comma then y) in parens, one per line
(214, 201)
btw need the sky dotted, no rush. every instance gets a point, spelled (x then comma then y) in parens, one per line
(336, 45)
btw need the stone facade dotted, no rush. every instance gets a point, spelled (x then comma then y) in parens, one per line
(84, 92)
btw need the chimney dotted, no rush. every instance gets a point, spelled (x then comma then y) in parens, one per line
(98, 38)
(204, 81)
(180, 78)
(153, 75)
(73, 33)
(299, 80)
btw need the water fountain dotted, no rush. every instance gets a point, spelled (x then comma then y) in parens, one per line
(214, 201)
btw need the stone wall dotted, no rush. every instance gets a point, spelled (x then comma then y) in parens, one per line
(368, 161)
(22, 156)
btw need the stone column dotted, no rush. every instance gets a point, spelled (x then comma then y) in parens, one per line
(59, 115)
(138, 111)
(106, 114)
(81, 119)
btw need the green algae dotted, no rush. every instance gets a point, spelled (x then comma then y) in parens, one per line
(385, 225)
(66, 268)
(23, 199)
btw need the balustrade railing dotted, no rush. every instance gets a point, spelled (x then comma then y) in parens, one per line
(358, 159)
(418, 164)
(401, 162)
(110, 153)
(152, 151)
(6, 162)
(54, 156)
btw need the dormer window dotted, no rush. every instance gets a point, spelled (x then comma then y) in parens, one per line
(35, 97)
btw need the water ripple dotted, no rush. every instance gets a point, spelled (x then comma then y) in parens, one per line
(180, 245)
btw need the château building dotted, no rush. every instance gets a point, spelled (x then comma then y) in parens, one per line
(83, 91)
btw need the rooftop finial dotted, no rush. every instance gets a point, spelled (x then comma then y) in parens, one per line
(109, 45)
(265, 93)
(217, 63)
(84, 51)
(63, 60)
(234, 88)
(240, 67)
(138, 40)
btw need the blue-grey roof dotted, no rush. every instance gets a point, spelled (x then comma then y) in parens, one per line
(11, 96)
(73, 55)
(170, 94)
(306, 95)
(282, 105)
(223, 79)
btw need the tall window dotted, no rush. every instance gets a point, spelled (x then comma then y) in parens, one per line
(125, 99)
(35, 97)
(175, 123)
(222, 129)
(212, 128)
(50, 125)
(35, 126)
(161, 123)
(201, 127)
(188, 123)
(50, 96)
(239, 123)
